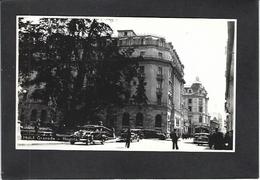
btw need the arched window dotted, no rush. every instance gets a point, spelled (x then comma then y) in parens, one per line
(33, 115)
(125, 120)
(158, 120)
(200, 119)
(43, 115)
(139, 119)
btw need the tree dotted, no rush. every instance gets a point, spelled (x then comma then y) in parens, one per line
(75, 67)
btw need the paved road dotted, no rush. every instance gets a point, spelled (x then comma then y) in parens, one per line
(142, 145)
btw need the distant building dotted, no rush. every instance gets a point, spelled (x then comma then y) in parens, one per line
(229, 95)
(196, 101)
(214, 123)
(218, 117)
(163, 73)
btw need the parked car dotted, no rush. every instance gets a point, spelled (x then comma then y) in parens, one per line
(139, 132)
(90, 134)
(134, 135)
(150, 133)
(201, 138)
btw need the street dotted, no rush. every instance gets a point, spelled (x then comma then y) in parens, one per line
(112, 145)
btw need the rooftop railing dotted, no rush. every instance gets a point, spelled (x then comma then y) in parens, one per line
(144, 41)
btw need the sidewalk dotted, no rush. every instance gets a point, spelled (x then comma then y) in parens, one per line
(38, 142)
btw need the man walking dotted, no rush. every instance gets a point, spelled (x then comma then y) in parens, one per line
(128, 138)
(174, 138)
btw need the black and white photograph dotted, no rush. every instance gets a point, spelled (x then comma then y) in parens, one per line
(89, 83)
(129, 89)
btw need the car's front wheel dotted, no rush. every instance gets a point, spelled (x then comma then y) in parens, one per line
(72, 142)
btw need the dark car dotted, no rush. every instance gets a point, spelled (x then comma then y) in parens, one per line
(201, 138)
(90, 134)
(150, 133)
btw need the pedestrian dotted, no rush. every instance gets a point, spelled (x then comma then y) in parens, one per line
(128, 138)
(36, 128)
(113, 131)
(174, 138)
(218, 139)
(228, 141)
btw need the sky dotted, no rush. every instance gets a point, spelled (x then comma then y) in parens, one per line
(200, 44)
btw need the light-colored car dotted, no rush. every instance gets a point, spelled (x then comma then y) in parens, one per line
(201, 138)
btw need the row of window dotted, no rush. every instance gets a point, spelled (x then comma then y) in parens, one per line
(160, 54)
(200, 109)
(200, 119)
(200, 101)
(190, 91)
(139, 120)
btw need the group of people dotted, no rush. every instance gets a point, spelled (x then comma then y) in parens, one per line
(218, 141)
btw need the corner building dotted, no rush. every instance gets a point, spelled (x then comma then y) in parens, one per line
(196, 101)
(163, 73)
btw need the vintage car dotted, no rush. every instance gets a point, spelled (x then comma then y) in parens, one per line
(139, 132)
(201, 138)
(150, 133)
(90, 134)
(134, 135)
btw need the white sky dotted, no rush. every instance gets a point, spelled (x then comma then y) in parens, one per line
(200, 44)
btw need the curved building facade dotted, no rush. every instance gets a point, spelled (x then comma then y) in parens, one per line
(163, 73)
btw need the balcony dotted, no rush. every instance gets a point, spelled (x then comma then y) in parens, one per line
(147, 40)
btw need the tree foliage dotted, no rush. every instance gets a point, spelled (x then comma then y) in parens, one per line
(75, 66)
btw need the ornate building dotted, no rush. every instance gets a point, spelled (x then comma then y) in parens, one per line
(163, 73)
(214, 123)
(196, 101)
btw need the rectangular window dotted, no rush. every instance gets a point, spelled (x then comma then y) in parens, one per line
(200, 119)
(170, 100)
(141, 69)
(189, 100)
(159, 85)
(160, 55)
(177, 122)
(190, 108)
(159, 99)
(200, 101)
(201, 109)
(159, 70)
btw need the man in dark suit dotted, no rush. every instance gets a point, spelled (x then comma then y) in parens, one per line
(128, 138)
(218, 140)
(174, 138)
